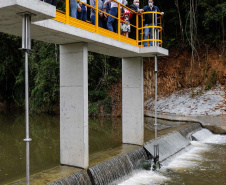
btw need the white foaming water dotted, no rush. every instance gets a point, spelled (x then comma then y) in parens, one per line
(146, 177)
(188, 158)
(216, 139)
(205, 136)
(192, 157)
(202, 135)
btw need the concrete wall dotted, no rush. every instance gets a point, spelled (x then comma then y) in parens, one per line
(168, 145)
(74, 105)
(132, 101)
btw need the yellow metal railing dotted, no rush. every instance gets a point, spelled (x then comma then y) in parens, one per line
(156, 27)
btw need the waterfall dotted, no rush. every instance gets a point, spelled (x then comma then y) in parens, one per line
(205, 136)
(80, 178)
(113, 169)
(202, 135)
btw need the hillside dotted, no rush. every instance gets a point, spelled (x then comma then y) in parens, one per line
(201, 87)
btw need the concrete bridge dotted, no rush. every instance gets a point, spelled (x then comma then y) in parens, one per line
(76, 38)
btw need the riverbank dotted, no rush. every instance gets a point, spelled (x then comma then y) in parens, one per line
(216, 124)
(207, 107)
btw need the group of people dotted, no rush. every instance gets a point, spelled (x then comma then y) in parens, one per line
(79, 10)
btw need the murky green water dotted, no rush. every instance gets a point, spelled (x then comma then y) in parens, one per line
(207, 168)
(105, 133)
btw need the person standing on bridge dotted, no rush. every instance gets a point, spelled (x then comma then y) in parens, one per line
(135, 7)
(73, 8)
(92, 14)
(149, 21)
(107, 9)
(125, 16)
(82, 10)
(113, 12)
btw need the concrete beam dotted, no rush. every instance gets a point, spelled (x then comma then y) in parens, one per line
(10, 20)
(132, 101)
(74, 143)
(56, 32)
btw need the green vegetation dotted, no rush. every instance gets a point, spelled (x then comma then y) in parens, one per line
(44, 76)
(189, 24)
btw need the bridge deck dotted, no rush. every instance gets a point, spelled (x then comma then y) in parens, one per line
(44, 28)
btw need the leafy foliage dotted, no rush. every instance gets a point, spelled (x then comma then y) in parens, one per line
(209, 22)
(103, 71)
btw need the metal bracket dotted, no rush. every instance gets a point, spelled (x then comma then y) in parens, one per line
(26, 13)
(27, 139)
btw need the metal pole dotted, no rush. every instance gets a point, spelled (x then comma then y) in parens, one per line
(27, 139)
(26, 47)
(156, 146)
(156, 73)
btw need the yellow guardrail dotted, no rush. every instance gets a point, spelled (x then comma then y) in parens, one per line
(156, 27)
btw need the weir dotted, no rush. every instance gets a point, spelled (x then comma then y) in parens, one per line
(76, 39)
(109, 167)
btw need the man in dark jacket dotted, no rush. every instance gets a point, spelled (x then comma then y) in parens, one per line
(135, 7)
(149, 21)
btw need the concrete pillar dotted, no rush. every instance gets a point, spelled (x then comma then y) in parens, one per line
(132, 101)
(74, 105)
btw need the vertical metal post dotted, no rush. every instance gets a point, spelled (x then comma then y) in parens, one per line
(153, 29)
(97, 16)
(26, 47)
(156, 30)
(142, 22)
(119, 22)
(67, 11)
(156, 76)
(156, 146)
(137, 29)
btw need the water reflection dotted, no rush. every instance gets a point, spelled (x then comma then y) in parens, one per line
(104, 133)
(44, 148)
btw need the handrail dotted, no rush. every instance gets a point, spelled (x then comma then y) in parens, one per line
(155, 27)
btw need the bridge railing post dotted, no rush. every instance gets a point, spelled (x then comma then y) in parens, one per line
(153, 29)
(119, 22)
(67, 11)
(97, 16)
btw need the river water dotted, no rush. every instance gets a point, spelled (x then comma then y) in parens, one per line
(201, 163)
(104, 133)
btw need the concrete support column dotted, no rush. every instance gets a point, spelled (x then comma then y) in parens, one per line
(132, 101)
(74, 105)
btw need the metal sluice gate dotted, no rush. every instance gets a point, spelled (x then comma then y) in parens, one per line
(156, 164)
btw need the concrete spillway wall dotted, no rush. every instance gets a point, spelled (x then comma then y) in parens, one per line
(168, 145)
(108, 171)
(172, 143)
